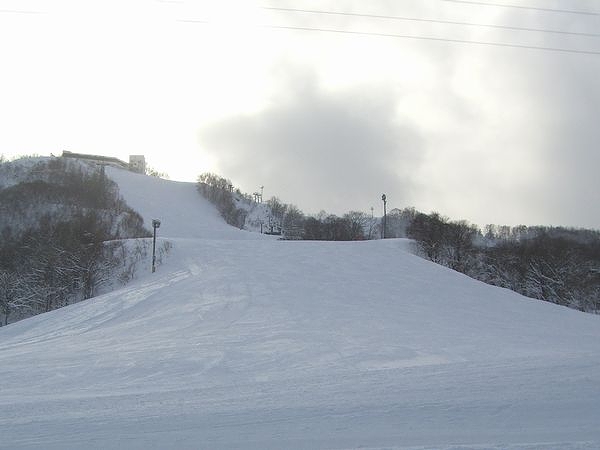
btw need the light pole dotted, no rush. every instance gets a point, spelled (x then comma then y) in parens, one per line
(384, 198)
(155, 225)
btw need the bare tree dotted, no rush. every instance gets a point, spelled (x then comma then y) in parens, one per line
(357, 223)
(293, 222)
(16, 298)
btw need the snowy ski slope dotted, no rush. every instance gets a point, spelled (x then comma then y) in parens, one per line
(182, 211)
(240, 342)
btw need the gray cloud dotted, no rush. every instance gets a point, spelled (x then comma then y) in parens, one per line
(497, 135)
(320, 149)
(569, 101)
(533, 150)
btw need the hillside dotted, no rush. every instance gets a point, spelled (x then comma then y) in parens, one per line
(241, 342)
(41, 190)
(183, 212)
(65, 234)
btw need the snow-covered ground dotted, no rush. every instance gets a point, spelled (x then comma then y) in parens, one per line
(240, 343)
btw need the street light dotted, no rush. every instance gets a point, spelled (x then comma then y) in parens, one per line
(384, 198)
(155, 225)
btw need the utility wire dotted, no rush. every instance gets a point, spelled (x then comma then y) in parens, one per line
(414, 37)
(446, 22)
(18, 11)
(500, 5)
(428, 38)
(194, 21)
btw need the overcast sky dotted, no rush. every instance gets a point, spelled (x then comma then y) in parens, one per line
(325, 120)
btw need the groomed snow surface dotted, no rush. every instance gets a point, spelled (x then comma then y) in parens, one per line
(240, 343)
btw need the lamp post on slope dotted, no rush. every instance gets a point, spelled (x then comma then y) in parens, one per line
(155, 225)
(384, 198)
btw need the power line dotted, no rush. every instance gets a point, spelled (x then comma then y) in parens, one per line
(415, 37)
(18, 11)
(194, 21)
(500, 5)
(436, 39)
(445, 22)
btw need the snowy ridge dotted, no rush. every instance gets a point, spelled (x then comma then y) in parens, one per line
(239, 342)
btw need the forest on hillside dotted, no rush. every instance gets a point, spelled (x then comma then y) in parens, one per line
(555, 264)
(61, 226)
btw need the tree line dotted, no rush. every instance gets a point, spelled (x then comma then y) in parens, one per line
(219, 191)
(555, 264)
(285, 219)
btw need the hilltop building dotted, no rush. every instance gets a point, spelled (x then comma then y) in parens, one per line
(137, 163)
